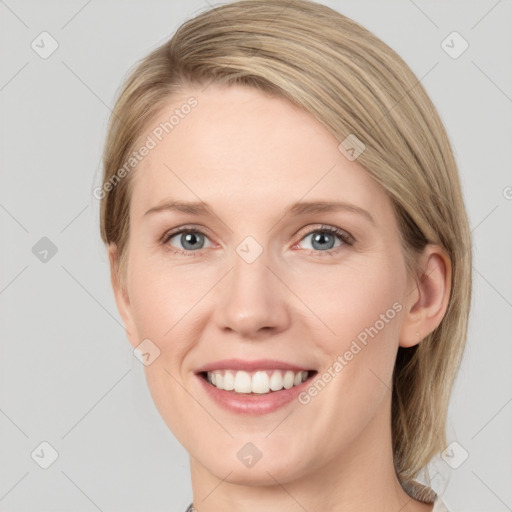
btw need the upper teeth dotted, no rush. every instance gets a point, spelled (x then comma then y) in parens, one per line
(260, 382)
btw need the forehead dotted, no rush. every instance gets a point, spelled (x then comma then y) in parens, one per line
(242, 147)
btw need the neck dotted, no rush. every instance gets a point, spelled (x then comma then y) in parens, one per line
(360, 478)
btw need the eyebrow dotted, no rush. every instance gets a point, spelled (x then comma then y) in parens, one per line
(299, 208)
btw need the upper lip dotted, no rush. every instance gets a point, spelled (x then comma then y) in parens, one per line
(256, 364)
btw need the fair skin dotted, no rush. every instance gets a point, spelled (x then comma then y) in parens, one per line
(249, 156)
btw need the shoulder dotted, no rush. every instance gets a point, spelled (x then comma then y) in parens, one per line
(439, 506)
(425, 494)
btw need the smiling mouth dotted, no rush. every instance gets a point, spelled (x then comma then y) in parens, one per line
(259, 382)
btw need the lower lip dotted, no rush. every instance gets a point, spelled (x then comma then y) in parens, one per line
(253, 403)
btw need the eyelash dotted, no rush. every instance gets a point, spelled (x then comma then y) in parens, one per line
(345, 237)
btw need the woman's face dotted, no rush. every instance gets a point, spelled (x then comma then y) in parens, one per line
(262, 279)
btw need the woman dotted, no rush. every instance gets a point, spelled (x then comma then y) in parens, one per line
(290, 254)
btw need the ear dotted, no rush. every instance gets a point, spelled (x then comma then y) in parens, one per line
(121, 296)
(428, 296)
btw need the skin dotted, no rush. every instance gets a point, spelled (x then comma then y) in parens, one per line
(250, 155)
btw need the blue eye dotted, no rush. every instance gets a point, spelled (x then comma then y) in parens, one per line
(191, 241)
(324, 238)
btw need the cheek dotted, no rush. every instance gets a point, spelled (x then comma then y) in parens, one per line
(165, 305)
(357, 301)
(361, 304)
(164, 300)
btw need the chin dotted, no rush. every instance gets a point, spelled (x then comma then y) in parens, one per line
(233, 464)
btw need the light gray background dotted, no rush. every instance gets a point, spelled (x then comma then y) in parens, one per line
(68, 375)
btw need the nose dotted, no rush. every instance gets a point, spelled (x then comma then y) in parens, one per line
(252, 300)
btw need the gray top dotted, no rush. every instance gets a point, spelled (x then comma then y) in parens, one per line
(439, 506)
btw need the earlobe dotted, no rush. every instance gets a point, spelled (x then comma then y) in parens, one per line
(429, 297)
(121, 295)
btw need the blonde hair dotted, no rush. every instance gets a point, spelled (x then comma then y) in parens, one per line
(352, 83)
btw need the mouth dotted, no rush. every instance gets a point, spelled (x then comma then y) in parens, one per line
(253, 387)
(258, 382)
